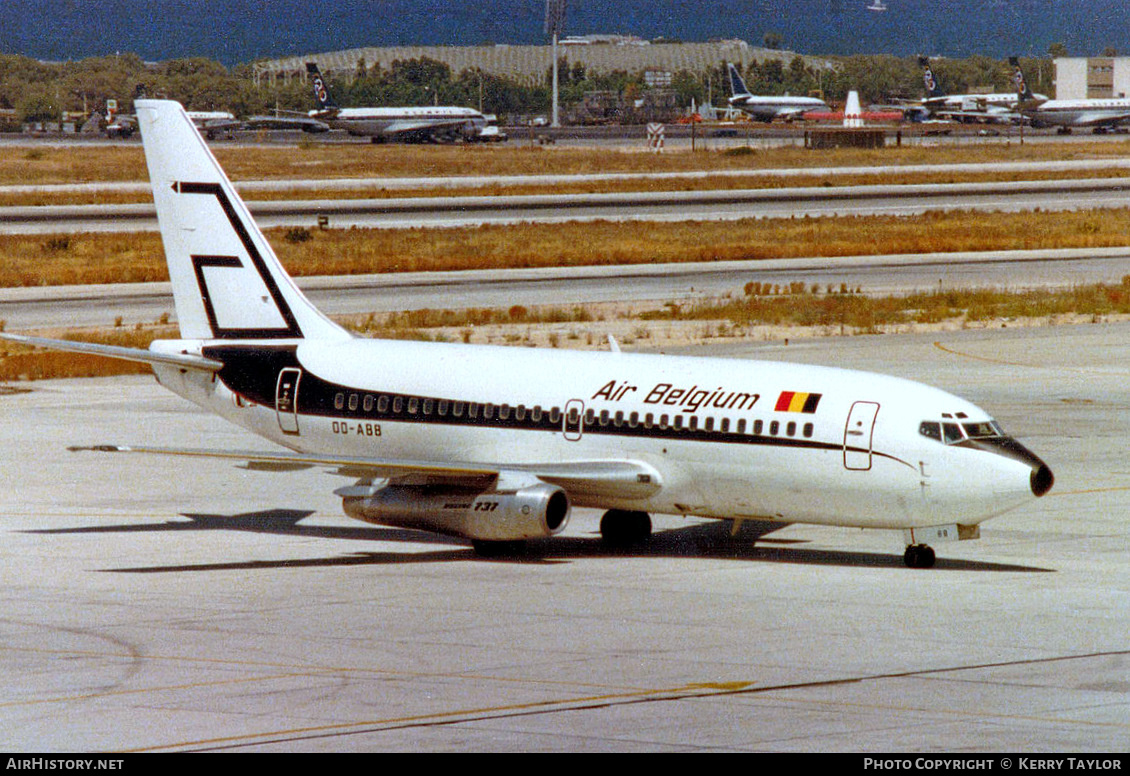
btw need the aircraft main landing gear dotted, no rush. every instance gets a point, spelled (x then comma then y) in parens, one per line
(621, 528)
(919, 556)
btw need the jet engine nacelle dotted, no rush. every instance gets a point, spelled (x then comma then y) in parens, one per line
(527, 513)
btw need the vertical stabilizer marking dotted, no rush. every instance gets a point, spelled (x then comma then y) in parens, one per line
(199, 263)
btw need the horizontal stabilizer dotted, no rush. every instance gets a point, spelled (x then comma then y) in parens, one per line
(182, 360)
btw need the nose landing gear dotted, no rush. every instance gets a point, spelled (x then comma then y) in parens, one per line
(919, 556)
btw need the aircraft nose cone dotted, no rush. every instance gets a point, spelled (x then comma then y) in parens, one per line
(1041, 479)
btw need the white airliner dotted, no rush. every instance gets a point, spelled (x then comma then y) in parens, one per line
(994, 107)
(409, 124)
(496, 444)
(1100, 114)
(769, 108)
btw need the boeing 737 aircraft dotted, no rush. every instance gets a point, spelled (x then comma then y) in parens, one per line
(769, 108)
(413, 124)
(1100, 114)
(497, 444)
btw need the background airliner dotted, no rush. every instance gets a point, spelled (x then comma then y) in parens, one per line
(409, 124)
(497, 444)
(767, 108)
(995, 106)
(1101, 114)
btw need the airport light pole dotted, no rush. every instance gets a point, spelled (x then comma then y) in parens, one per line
(554, 23)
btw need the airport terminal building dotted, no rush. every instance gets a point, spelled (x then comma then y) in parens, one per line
(529, 64)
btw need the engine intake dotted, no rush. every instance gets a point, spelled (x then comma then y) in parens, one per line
(527, 513)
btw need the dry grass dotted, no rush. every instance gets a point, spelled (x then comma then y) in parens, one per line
(704, 183)
(44, 260)
(762, 312)
(312, 160)
(797, 305)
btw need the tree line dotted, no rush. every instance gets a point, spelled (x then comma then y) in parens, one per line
(39, 91)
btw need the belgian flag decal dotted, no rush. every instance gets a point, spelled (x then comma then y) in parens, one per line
(794, 401)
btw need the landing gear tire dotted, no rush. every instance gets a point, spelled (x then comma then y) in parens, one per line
(620, 528)
(919, 556)
(485, 549)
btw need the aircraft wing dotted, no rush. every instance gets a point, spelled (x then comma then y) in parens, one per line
(792, 113)
(605, 478)
(997, 117)
(299, 121)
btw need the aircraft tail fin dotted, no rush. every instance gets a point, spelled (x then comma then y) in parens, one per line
(737, 84)
(227, 281)
(933, 88)
(1020, 82)
(321, 91)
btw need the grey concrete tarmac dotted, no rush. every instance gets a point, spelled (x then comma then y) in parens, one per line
(159, 605)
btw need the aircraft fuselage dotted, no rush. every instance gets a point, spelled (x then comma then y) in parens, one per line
(730, 439)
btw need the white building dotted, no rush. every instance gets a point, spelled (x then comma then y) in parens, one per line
(1079, 78)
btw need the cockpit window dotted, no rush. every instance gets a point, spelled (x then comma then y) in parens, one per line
(952, 433)
(930, 430)
(982, 430)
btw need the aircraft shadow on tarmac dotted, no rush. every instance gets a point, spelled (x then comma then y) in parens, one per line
(705, 540)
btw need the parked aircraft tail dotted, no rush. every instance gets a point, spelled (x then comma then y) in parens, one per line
(321, 92)
(933, 89)
(737, 85)
(227, 281)
(1021, 84)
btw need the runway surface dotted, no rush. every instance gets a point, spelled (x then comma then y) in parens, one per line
(154, 605)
